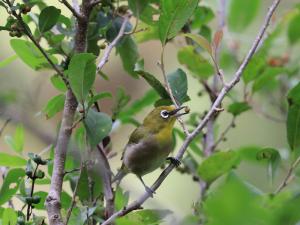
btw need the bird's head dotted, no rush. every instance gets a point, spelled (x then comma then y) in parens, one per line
(163, 117)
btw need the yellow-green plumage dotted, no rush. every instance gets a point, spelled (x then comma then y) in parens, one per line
(149, 144)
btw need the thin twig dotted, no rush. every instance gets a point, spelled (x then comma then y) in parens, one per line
(74, 195)
(223, 134)
(73, 10)
(137, 204)
(110, 47)
(162, 67)
(4, 125)
(289, 176)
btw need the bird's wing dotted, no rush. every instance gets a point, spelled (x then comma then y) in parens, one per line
(136, 136)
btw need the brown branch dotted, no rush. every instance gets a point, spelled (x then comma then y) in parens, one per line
(72, 9)
(288, 177)
(74, 196)
(137, 204)
(53, 201)
(110, 47)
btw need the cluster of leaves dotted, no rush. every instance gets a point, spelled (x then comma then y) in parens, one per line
(228, 201)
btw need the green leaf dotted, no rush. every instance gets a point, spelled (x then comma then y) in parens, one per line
(8, 60)
(82, 72)
(248, 153)
(17, 141)
(97, 125)
(43, 196)
(121, 101)
(138, 6)
(137, 106)
(294, 95)
(83, 186)
(30, 54)
(129, 54)
(242, 13)
(155, 83)
(201, 41)
(198, 65)
(58, 83)
(174, 14)
(11, 160)
(269, 74)
(11, 184)
(9, 217)
(254, 68)
(235, 202)
(293, 127)
(203, 15)
(217, 164)
(238, 108)
(272, 156)
(193, 145)
(54, 105)
(145, 217)
(48, 18)
(294, 30)
(179, 86)
(121, 198)
(98, 97)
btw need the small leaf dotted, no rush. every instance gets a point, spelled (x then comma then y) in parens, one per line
(242, 13)
(217, 41)
(174, 14)
(48, 18)
(98, 97)
(294, 95)
(82, 73)
(201, 41)
(238, 108)
(54, 105)
(83, 186)
(11, 184)
(293, 127)
(254, 68)
(121, 198)
(294, 30)
(217, 165)
(155, 83)
(179, 86)
(11, 160)
(9, 217)
(97, 125)
(8, 60)
(272, 156)
(199, 66)
(58, 83)
(122, 100)
(129, 54)
(17, 141)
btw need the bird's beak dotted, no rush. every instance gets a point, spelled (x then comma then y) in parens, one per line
(176, 113)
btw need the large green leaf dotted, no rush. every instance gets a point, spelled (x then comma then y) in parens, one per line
(97, 125)
(242, 13)
(235, 202)
(174, 14)
(179, 86)
(16, 142)
(11, 160)
(54, 105)
(29, 54)
(82, 72)
(198, 65)
(294, 30)
(217, 164)
(129, 54)
(48, 18)
(11, 184)
(9, 217)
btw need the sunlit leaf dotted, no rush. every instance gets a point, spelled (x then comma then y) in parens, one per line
(54, 105)
(11, 160)
(9, 217)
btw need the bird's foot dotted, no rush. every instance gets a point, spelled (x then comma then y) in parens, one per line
(174, 161)
(150, 191)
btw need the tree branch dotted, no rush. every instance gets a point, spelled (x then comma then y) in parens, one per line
(73, 10)
(110, 47)
(137, 204)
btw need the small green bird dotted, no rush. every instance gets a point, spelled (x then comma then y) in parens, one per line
(150, 144)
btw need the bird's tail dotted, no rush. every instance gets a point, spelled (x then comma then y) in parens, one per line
(119, 176)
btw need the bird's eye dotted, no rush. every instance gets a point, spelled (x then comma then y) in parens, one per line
(164, 114)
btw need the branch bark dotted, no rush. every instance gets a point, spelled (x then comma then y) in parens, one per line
(214, 109)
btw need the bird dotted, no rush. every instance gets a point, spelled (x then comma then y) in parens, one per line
(150, 144)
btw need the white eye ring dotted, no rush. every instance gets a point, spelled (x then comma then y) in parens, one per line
(164, 114)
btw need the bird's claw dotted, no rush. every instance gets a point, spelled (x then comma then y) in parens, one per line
(150, 191)
(174, 161)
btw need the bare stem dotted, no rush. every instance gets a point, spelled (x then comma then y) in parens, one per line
(72, 9)
(137, 204)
